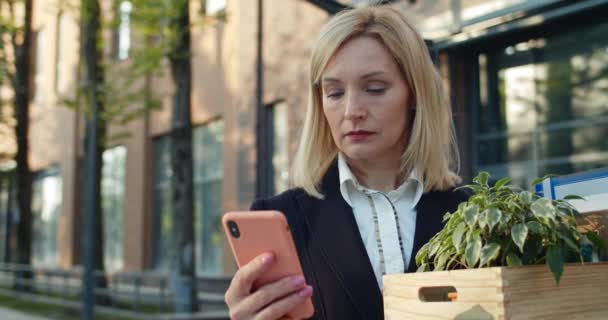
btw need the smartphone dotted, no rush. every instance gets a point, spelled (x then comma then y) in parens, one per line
(251, 233)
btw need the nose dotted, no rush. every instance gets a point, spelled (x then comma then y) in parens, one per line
(354, 108)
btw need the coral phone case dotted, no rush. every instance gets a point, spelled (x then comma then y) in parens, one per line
(265, 231)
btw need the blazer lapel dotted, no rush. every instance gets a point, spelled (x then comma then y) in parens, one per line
(429, 219)
(335, 235)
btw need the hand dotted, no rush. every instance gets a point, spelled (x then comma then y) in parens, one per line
(269, 302)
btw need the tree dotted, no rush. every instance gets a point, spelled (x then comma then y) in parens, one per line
(183, 277)
(94, 140)
(105, 103)
(17, 70)
(162, 29)
(165, 25)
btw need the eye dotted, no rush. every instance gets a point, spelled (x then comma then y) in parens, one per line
(376, 90)
(335, 95)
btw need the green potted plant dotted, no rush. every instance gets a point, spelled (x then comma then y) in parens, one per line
(489, 260)
(501, 225)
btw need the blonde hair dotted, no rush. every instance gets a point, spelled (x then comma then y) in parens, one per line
(432, 145)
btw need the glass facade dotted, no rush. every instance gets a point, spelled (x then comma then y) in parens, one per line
(441, 19)
(124, 30)
(208, 175)
(161, 232)
(544, 106)
(46, 208)
(280, 154)
(112, 204)
(208, 143)
(5, 207)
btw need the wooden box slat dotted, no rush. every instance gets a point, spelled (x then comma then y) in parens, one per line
(528, 292)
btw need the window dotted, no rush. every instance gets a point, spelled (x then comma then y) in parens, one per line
(46, 206)
(211, 7)
(5, 207)
(112, 204)
(277, 114)
(544, 106)
(123, 45)
(163, 207)
(208, 174)
(208, 169)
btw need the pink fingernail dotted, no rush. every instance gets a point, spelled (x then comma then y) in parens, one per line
(306, 292)
(266, 258)
(297, 281)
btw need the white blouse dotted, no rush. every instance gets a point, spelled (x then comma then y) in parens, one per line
(384, 219)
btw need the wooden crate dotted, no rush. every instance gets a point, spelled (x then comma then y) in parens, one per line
(527, 292)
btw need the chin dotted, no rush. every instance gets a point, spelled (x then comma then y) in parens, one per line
(360, 155)
(368, 153)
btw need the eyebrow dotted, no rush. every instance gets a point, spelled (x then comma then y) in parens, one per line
(367, 75)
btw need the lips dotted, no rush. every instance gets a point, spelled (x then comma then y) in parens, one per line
(358, 135)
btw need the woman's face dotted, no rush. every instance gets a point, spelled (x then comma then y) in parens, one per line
(366, 101)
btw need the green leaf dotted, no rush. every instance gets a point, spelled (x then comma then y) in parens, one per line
(482, 178)
(469, 234)
(472, 187)
(505, 219)
(447, 216)
(535, 227)
(470, 215)
(461, 208)
(526, 197)
(573, 197)
(519, 232)
(493, 216)
(489, 252)
(423, 268)
(457, 235)
(568, 240)
(515, 206)
(420, 258)
(478, 199)
(566, 209)
(543, 208)
(513, 260)
(473, 250)
(555, 260)
(443, 258)
(502, 182)
(482, 219)
(435, 246)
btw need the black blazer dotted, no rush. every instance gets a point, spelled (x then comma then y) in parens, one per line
(332, 254)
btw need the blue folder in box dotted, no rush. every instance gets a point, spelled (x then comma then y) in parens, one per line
(591, 185)
(582, 184)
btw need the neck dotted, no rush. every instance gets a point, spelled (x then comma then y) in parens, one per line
(376, 175)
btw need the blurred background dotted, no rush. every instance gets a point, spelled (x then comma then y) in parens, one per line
(194, 109)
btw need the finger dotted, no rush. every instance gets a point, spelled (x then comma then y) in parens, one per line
(271, 292)
(281, 307)
(243, 279)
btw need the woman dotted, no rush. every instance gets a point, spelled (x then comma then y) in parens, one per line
(372, 171)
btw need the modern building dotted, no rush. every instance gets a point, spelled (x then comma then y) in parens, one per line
(528, 82)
